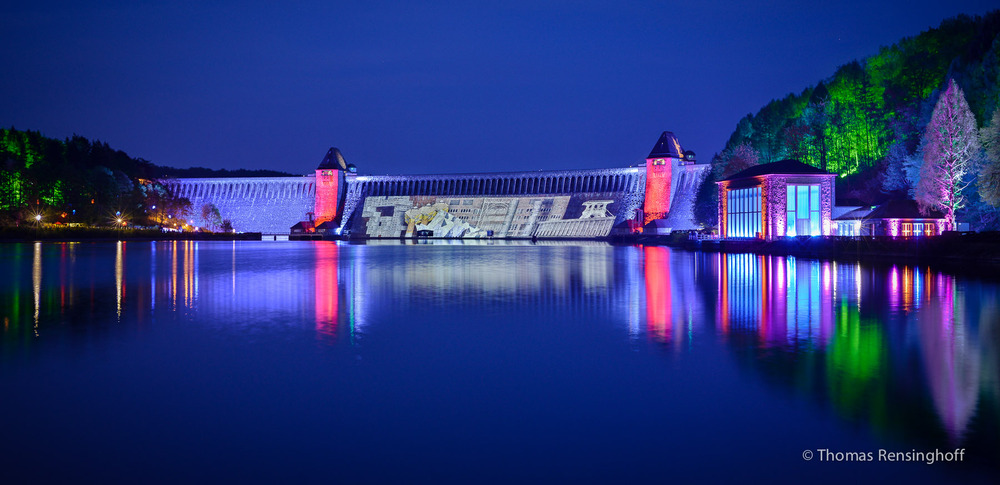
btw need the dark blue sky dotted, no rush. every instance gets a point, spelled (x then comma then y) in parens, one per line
(441, 87)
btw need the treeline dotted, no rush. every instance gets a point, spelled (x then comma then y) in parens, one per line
(201, 172)
(869, 114)
(77, 180)
(72, 180)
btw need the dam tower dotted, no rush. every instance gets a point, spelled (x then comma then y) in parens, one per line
(330, 187)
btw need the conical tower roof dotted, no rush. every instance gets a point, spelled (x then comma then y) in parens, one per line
(333, 160)
(667, 147)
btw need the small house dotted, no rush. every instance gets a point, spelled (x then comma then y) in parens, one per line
(778, 199)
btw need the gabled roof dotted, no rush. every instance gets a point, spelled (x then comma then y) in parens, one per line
(667, 147)
(333, 160)
(789, 166)
(902, 209)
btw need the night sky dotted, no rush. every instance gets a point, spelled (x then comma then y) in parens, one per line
(444, 87)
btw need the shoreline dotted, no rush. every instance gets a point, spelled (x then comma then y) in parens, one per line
(976, 253)
(104, 234)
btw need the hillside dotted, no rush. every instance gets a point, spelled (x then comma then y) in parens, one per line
(870, 112)
(79, 180)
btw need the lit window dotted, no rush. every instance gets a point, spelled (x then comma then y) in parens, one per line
(802, 210)
(744, 216)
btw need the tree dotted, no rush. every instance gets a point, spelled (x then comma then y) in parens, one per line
(951, 150)
(895, 180)
(989, 175)
(740, 158)
(210, 214)
(815, 117)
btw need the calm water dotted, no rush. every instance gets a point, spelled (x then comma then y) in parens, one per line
(276, 361)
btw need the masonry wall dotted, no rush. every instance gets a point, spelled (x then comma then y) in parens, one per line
(270, 205)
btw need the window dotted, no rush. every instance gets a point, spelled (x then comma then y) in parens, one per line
(744, 216)
(907, 229)
(803, 211)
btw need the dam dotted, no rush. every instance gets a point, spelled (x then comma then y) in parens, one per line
(335, 200)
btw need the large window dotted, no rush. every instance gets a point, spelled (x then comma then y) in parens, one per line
(803, 211)
(848, 228)
(917, 229)
(743, 218)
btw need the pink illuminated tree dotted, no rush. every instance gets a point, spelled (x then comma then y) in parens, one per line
(951, 150)
(740, 158)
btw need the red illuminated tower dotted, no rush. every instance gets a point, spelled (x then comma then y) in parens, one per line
(330, 186)
(659, 167)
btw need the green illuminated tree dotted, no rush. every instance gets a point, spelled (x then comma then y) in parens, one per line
(951, 150)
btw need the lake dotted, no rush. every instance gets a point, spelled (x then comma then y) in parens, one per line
(489, 362)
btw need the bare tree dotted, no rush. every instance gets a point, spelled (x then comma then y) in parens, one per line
(951, 150)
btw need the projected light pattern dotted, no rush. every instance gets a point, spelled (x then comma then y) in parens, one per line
(515, 204)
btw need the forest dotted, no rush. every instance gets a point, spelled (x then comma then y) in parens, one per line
(79, 181)
(867, 122)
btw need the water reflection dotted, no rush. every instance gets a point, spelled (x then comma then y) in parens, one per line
(327, 291)
(894, 347)
(36, 282)
(852, 334)
(787, 303)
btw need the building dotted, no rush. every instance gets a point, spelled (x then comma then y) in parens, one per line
(778, 199)
(895, 218)
(672, 180)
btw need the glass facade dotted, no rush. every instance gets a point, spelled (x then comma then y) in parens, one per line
(803, 211)
(744, 215)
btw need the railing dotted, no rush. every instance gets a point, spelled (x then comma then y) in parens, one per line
(696, 236)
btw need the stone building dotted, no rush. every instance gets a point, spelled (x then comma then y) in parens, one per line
(778, 199)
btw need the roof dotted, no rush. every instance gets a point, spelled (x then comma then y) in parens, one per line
(333, 160)
(789, 166)
(903, 209)
(667, 147)
(859, 213)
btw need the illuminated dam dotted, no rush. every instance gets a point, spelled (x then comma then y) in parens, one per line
(589, 203)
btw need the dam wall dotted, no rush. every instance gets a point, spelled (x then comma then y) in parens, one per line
(335, 200)
(269, 205)
(550, 204)
(684, 190)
